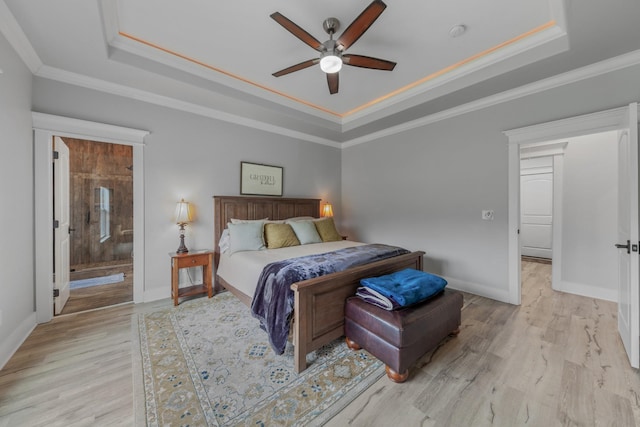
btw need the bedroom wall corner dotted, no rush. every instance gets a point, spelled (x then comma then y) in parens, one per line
(17, 305)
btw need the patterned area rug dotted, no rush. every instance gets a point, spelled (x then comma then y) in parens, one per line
(208, 363)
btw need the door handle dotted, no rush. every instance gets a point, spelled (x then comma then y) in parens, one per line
(627, 246)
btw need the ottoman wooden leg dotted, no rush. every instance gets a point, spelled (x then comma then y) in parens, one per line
(454, 333)
(396, 377)
(352, 344)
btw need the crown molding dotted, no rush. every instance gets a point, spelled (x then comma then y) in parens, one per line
(573, 76)
(542, 42)
(118, 41)
(173, 103)
(587, 72)
(10, 28)
(18, 40)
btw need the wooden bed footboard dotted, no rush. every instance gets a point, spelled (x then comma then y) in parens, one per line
(319, 303)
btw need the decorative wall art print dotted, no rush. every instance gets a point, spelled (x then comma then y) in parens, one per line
(262, 180)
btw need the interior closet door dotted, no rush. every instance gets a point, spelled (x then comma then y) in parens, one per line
(536, 204)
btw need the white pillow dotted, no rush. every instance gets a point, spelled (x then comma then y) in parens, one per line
(306, 232)
(247, 236)
(223, 243)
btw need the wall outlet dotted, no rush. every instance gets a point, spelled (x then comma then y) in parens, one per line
(487, 215)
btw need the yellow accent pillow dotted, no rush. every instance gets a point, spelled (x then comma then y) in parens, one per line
(279, 236)
(327, 230)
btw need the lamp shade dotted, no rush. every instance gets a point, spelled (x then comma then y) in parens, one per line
(183, 212)
(327, 210)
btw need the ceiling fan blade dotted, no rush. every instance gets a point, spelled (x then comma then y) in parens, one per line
(368, 62)
(332, 80)
(297, 67)
(360, 24)
(297, 31)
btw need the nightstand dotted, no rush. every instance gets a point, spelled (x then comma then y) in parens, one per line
(202, 259)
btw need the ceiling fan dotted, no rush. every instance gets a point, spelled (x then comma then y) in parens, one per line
(332, 54)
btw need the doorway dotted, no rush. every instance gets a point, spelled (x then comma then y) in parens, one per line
(624, 121)
(46, 127)
(100, 224)
(568, 208)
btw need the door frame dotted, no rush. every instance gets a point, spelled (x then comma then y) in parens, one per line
(603, 121)
(45, 127)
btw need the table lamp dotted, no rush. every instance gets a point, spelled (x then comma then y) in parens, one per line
(183, 217)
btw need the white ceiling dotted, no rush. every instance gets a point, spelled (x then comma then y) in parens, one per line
(220, 56)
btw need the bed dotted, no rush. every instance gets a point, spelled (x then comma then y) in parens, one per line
(318, 316)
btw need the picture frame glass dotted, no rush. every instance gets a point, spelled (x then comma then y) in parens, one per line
(260, 180)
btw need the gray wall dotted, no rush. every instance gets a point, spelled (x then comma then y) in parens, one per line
(193, 157)
(16, 215)
(590, 216)
(425, 188)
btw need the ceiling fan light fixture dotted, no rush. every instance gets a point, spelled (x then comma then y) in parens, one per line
(330, 63)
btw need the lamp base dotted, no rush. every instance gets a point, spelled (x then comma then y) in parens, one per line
(182, 249)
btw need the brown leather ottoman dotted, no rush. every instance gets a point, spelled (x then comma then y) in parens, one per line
(400, 337)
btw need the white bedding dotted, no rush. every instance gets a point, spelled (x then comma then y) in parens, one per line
(242, 269)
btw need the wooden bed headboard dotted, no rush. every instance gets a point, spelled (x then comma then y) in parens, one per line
(248, 207)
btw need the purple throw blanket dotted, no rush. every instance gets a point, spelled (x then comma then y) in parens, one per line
(273, 300)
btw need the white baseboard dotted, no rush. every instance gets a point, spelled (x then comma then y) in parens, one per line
(15, 340)
(587, 290)
(156, 294)
(501, 295)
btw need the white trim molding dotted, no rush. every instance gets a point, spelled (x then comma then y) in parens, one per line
(17, 38)
(587, 124)
(9, 346)
(501, 295)
(588, 291)
(84, 129)
(576, 126)
(45, 128)
(543, 150)
(587, 72)
(117, 89)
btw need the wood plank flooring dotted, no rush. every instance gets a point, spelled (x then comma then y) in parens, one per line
(83, 299)
(556, 360)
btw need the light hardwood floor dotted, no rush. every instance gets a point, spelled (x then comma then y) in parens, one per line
(92, 297)
(554, 360)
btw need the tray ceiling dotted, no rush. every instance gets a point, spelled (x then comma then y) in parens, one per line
(221, 55)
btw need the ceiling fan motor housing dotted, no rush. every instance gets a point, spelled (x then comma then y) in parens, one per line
(331, 25)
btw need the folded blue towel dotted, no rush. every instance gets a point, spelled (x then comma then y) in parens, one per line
(407, 286)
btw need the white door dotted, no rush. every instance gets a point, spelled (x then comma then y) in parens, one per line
(628, 239)
(61, 215)
(536, 192)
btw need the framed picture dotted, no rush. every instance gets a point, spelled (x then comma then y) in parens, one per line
(262, 180)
